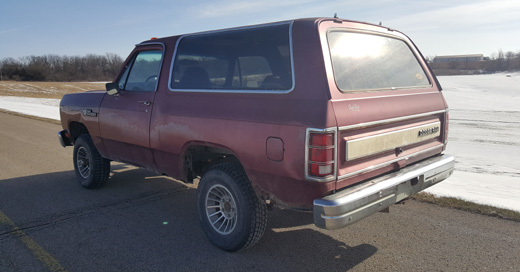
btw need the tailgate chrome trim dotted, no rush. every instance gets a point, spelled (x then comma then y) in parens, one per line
(355, 203)
(391, 120)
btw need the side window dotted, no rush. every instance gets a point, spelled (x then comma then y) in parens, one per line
(249, 59)
(142, 73)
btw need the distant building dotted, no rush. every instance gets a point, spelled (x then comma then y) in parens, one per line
(459, 58)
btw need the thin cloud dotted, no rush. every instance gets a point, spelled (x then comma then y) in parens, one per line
(479, 14)
(232, 8)
(463, 28)
(16, 29)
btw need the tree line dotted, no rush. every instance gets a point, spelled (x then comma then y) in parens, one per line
(61, 68)
(497, 62)
(501, 62)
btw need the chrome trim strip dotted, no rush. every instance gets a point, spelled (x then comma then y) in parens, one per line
(290, 23)
(383, 96)
(318, 130)
(397, 131)
(446, 126)
(378, 166)
(391, 120)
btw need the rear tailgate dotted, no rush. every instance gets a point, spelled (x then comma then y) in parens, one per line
(372, 146)
(388, 105)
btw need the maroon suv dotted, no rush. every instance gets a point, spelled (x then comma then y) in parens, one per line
(339, 117)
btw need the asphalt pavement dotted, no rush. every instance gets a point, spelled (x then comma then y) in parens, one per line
(141, 221)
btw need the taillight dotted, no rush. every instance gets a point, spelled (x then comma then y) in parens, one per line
(321, 155)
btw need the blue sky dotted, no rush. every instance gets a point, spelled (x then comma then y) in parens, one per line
(438, 27)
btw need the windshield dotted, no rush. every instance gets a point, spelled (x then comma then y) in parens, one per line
(364, 62)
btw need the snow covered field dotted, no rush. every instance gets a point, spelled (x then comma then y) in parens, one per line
(485, 139)
(484, 136)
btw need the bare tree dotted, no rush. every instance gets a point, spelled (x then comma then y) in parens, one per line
(61, 68)
(510, 56)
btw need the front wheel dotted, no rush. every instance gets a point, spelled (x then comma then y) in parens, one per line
(92, 170)
(230, 213)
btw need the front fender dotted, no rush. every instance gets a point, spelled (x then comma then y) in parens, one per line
(82, 108)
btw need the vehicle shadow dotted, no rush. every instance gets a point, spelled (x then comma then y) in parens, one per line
(144, 222)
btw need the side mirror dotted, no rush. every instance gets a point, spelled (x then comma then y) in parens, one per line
(112, 88)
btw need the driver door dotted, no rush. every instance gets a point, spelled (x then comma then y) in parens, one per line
(124, 118)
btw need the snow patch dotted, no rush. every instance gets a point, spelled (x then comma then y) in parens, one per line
(488, 189)
(42, 107)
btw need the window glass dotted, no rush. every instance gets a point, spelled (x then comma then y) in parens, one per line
(142, 74)
(122, 80)
(250, 72)
(244, 59)
(370, 62)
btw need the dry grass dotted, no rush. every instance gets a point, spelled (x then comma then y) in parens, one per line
(460, 204)
(46, 89)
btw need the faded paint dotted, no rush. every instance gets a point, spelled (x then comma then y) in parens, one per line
(157, 135)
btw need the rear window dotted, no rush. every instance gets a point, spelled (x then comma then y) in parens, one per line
(364, 62)
(256, 59)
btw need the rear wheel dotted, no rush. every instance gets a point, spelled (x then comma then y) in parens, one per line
(230, 213)
(92, 170)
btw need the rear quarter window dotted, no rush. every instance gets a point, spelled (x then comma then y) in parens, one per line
(368, 62)
(255, 59)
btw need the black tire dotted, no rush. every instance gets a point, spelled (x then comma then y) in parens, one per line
(92, 170)
(231, 215)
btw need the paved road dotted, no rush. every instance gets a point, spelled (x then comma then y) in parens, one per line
(144, 222)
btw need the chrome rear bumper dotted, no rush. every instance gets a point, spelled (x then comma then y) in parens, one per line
(355, 203)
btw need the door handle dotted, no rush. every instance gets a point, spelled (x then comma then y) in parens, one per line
(146, 103)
